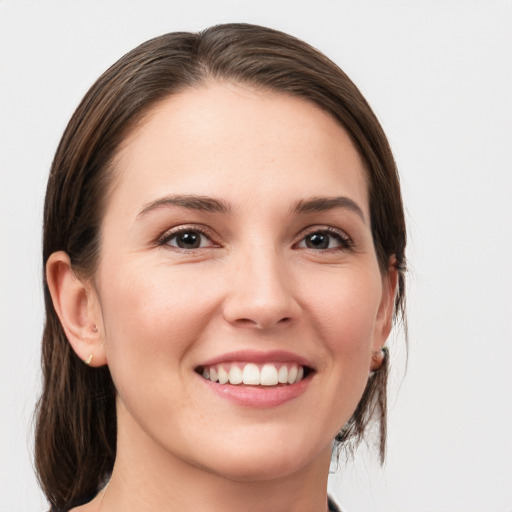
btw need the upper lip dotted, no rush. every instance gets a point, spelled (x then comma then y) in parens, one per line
(252, 356)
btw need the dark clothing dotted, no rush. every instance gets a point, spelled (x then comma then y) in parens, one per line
(332, 505)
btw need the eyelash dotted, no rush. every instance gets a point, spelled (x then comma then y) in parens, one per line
(345, 242)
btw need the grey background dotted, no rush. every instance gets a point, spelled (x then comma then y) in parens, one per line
(439, 76)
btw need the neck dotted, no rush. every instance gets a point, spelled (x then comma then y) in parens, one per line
(147, 478)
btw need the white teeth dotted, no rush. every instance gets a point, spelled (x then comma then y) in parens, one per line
(223, 376)
(235, 375)
(251, 374)
(282, 375)
(269, 375)
(292, 374)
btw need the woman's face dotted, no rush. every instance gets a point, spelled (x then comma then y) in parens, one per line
(236, 245)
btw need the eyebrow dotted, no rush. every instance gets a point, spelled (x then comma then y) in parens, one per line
(321, 204)
(211, 205)
(192, 202)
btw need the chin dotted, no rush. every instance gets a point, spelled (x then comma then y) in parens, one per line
(258, 470)
(260, 461)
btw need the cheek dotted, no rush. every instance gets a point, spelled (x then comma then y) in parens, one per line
(345, 306)
(152, 319)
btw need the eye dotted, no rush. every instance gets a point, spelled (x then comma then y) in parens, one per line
(187, 239)
(324, 239)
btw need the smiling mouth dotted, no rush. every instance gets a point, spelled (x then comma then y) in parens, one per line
(251, 374)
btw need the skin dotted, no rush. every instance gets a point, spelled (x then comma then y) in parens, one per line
(153, 311)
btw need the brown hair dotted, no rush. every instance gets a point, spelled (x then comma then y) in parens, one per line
(76, 415)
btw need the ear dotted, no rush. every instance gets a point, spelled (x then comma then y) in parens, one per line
(384, 320)
(78, 309)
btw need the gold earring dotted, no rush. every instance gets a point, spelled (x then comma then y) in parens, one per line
(378, 358)
(89, 359)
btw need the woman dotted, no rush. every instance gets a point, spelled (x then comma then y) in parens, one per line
(224, 251)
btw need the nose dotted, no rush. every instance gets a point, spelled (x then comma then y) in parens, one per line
(260, 292)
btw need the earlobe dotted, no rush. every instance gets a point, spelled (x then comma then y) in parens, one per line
(77, 307)
(378, 358)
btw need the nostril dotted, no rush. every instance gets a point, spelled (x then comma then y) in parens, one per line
(246, 322)
(263, 324)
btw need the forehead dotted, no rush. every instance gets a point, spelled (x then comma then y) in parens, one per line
(221, 138)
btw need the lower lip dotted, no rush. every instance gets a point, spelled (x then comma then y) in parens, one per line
(258, 396)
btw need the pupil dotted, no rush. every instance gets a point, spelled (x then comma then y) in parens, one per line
(188, 240)
(317, 241)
